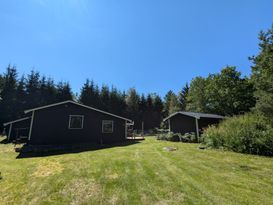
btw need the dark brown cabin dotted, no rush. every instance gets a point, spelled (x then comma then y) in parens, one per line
(191, 122)
(71, 122)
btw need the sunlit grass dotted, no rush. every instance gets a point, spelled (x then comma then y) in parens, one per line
(141, 173)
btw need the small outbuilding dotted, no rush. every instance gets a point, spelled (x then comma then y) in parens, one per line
(69, 122)
(17, 128)
(189, 122)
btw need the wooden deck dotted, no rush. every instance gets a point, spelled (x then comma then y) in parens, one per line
(136, 138)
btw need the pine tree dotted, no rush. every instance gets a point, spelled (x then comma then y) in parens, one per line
(182, 97)
(64, 92)
(33, 95)
(132, 105)
(174, 105)
(196, 98)
(157, 111)
(20, 97)
(50, 91)
(105, 98)
(8, 95)
(262, 73)
(86, 94)
(171, 104)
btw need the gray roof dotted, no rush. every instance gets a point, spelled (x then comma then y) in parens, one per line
(76, 103)
(196, 115)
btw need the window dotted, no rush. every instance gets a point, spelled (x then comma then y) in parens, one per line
(75, 122)
(107, 126)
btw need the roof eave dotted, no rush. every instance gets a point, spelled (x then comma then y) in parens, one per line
(76, 103)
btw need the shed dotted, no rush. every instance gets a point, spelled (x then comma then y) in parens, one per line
(187, 122)
(70, 122)
(17, 128)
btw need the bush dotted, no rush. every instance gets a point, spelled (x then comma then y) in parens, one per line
(188, 137)
(177, 137)
(249, 133)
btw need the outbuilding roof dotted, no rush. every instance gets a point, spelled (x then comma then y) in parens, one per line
(196, 115)
(79, 104)
(18, 120)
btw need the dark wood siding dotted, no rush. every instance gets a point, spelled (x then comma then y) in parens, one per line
(186, 124)
(20, 128)
(205, 122)
(50, 126)
(182, 124)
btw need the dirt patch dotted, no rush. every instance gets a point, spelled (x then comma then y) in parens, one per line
(81, 190)
(112, 176)
(47, 168)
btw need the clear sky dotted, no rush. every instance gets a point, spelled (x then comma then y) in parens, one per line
(152, 45)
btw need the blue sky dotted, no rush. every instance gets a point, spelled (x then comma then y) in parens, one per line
(152, 45)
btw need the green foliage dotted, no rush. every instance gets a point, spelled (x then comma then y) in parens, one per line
(18, 95)
(196, 98)
(249, 133)
(182, 97)
(262, 73)
(176, 137)
(188, 137)
(228, 94)
(225, 93)
(89, 94)
(171, 104)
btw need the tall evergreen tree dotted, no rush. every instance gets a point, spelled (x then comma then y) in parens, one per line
(174, 105)
(171, 104)
(115, 98)
(105, 98)
(86, 93)
(196, 98)
(182, 97)
(33, 95)
(262, 73)
(8, 95)
(157, 111)
(20, 97)
(64, 92)
(50, 91)
(132, 105)
(167, 100)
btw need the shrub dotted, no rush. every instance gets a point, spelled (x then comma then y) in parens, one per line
(177, 137)
(249, 133)
(188, 137)
(174, 137)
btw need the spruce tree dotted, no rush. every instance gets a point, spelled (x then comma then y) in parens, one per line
(262, 73)
(8, 95)
(182, 97)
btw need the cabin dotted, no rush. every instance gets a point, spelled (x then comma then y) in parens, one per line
(68, 122)
(191, 122)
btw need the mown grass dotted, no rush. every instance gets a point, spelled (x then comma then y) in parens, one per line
(141, 173)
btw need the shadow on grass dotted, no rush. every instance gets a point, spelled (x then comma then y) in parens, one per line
(31, 151)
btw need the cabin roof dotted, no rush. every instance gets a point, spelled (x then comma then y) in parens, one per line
(79, 104)
(196, 115)
(18, 120)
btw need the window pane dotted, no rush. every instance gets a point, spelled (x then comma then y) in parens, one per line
(107, 126)
(76, 122)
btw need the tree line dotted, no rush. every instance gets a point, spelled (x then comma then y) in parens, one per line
(224, 93)
(227, 93)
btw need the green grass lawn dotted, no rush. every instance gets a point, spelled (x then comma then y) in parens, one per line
(141, 173)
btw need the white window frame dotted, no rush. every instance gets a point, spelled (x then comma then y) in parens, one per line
(107, 121)
(71, 128)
